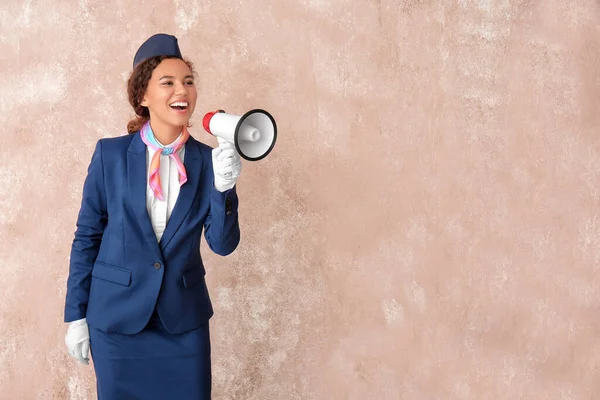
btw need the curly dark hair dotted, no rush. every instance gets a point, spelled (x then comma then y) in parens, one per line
(136, 87)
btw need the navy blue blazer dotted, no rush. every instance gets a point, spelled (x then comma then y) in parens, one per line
(118, 271)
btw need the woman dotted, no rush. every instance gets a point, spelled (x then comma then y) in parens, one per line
(136, 294)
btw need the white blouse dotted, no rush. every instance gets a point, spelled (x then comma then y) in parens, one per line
(160, 211)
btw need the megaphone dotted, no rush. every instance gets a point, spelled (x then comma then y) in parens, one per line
(254, 133)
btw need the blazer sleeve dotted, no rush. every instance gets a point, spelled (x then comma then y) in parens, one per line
(221, 227)
(91, 222)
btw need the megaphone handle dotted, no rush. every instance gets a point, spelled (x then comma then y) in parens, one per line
(223, 141)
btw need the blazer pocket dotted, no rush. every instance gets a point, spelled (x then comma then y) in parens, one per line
(111, 273)
(192, 276)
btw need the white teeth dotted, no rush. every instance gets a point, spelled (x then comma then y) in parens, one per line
(179, 104)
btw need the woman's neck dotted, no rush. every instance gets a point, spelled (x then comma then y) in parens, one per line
(165, 134)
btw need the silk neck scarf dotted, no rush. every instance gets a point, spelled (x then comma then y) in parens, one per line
(172, 151)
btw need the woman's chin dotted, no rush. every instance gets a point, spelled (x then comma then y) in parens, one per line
(181, 121)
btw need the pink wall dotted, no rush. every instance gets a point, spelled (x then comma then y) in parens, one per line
(426, 228)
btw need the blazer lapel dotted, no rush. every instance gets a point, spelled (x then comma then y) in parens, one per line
(192, 160)
(137, 179)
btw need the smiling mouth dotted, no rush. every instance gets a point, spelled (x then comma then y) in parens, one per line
(179, 105)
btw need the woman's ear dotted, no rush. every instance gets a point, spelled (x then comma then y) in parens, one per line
(144, 102)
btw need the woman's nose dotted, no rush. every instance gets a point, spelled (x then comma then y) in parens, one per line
(181, 89)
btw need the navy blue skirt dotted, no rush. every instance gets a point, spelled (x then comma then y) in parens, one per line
(152, 365)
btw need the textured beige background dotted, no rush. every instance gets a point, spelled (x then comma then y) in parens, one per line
(427, 227)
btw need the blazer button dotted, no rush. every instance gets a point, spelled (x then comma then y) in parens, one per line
(228, 212)
(156, 265)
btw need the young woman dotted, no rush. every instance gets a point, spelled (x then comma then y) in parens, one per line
(136, 294)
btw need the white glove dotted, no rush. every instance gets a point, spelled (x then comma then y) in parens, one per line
(77, 340)
(227, 165)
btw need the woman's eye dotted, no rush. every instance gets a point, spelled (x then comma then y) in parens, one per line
(189, 83)
(167, 83)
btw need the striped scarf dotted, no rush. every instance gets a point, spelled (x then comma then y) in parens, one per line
(171, 151)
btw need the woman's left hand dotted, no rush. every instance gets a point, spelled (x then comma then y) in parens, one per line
(227, 165)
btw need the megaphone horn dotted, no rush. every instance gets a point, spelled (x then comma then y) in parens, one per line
(254, 133)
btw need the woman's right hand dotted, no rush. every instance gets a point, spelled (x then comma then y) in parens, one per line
(77, 340)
